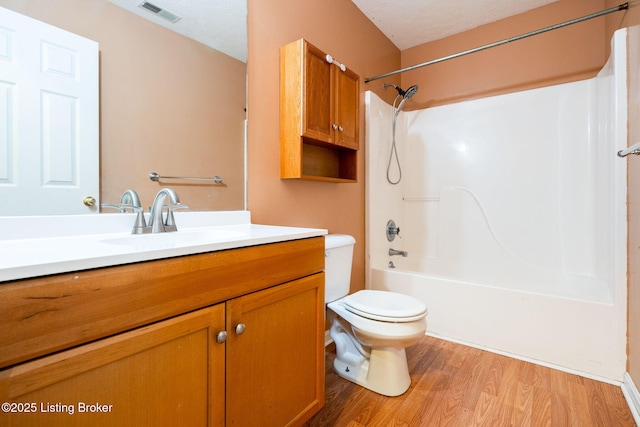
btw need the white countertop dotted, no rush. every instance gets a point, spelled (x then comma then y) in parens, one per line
(38, 246)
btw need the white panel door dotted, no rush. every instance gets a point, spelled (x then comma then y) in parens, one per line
(49, 155)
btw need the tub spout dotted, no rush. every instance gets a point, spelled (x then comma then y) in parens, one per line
(393, 252)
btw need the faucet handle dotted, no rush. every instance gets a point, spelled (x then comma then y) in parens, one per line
(170, 222)
(140, 226)
(109, 205)
(392, 230)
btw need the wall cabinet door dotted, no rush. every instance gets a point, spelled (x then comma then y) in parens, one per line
(331, 100)
(318, 96)
(167, 374)
(275, 354)
(346, 107)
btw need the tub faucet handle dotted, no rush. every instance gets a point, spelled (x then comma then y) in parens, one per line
(392, 230)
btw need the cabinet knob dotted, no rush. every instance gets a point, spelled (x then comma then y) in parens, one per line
(340, 128)
(221, 337)
(334, 126)
(240, 327)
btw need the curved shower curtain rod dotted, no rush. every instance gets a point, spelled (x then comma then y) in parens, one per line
(618, 8)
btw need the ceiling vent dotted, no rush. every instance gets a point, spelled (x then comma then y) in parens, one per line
(157, 10)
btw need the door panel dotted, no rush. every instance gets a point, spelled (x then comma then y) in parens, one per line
(49, 158)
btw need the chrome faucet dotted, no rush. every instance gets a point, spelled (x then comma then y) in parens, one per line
(157, 224)
(130, 198)
(393, 252)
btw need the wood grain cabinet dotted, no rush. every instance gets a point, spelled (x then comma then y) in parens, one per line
(319, 116)
(272, 365)
(169, 373)
(244, 358)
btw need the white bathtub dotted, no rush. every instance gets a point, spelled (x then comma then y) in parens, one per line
(574, 335)
(513, 212)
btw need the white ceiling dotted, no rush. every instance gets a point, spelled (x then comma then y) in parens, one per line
(222, 24)
(408, 23)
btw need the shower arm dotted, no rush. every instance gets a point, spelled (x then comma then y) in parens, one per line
(618, 8)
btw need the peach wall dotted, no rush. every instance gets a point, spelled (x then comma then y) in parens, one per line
(158, 93)
(340, 29)
(571, 53)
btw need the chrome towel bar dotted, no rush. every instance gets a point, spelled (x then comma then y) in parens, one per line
(153, 176)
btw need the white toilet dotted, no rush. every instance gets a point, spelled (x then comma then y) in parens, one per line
(371, 329)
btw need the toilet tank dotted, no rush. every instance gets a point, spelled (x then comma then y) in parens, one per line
(338, 257)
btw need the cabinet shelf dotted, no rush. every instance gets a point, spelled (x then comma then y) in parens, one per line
(321, 162)
(319, 116)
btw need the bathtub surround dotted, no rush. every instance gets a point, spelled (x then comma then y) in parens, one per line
(512, 207)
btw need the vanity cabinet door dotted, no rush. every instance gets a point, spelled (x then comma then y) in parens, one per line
(275, 354)
(170, 373)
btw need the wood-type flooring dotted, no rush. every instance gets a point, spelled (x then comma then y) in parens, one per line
(460, 386)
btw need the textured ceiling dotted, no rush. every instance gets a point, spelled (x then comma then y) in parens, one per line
(408, 23)
(222, 24)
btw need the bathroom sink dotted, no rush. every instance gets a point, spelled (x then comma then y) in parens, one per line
(174, 239)
(44, 245)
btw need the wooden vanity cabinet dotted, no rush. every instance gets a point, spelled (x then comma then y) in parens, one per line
(319, 116)
(251, 351)
(168, 373)
(273, 365)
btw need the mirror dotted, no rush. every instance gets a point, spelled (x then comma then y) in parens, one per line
(168, 103)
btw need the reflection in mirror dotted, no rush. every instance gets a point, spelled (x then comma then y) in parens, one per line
(168, 104)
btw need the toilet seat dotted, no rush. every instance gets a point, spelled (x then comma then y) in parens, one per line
(385, 306)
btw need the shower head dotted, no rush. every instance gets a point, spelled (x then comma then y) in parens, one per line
(410, 92)
(406, 94)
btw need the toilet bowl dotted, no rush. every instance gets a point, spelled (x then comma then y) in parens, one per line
(370, 329)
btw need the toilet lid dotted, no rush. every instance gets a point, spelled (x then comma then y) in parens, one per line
(385, 306)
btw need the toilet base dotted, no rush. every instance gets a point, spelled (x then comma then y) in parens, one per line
(384, 372)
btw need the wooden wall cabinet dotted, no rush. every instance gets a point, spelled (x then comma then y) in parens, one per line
(319, 116)
(250, 353)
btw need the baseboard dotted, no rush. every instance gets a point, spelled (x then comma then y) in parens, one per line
(327, 338)
(632, 396)
(530, 360)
